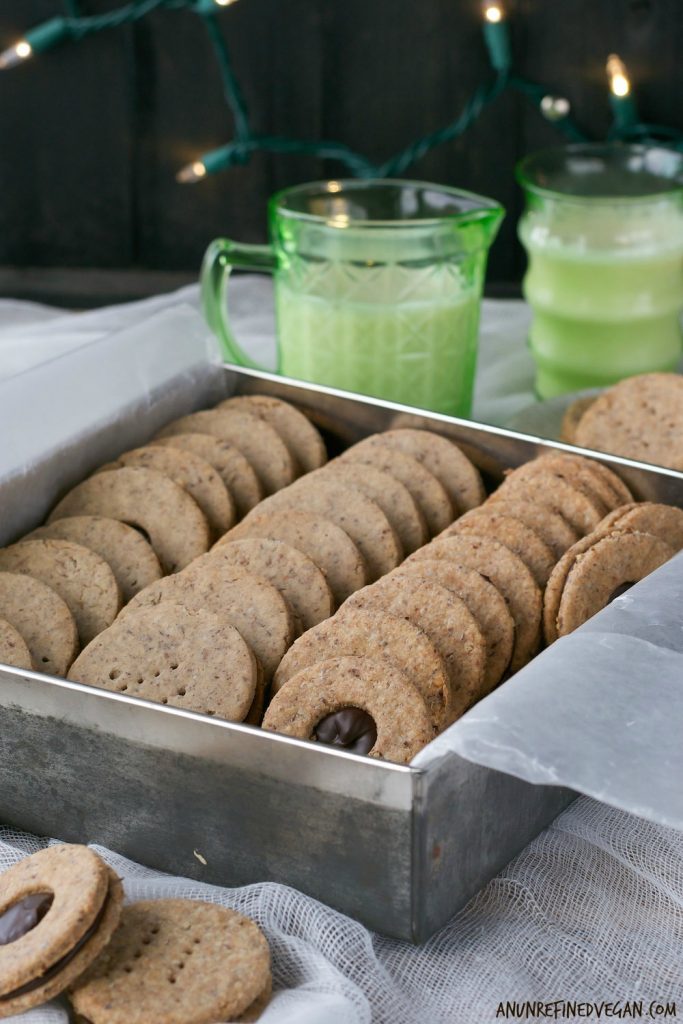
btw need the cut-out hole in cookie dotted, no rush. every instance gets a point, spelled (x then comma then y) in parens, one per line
(23, 916)
(350, 728)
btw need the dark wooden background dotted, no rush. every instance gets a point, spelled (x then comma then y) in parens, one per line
(93, 133)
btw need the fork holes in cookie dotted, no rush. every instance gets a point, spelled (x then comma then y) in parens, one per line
(173, 666)
(114, 674)
(181, 692)
(44, 660)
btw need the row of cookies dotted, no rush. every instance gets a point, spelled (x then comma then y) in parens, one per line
(278, 574)
(149, 513)
(64, 929)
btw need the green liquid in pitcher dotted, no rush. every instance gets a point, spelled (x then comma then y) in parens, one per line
(418, 351)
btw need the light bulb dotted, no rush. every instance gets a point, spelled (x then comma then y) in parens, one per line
(225, 3)
(618, 78)
(191, 173)
(493, 12)
(16, 54)
(554, 108)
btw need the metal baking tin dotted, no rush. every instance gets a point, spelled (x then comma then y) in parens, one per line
(399, 849)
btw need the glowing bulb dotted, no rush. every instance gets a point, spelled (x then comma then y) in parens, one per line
(339, 220)
(493, 12)
(191, 173)
(618, 78)
(16, 54)
(333, 186)
(225, 3)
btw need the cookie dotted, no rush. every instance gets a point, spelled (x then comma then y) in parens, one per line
(13, 649)
(253, 606)
(486, 604)
(551, 468)
(235, 471)
(191, 472)
(582, 512)
(190, 659)
(428, 494)
(639, 418)
(295, 575)
(599, 571)
(392, 497)
(663, 521)
(295, 429)
(443, 458)
(553, 528)
(359, 516)
(82, 579)
(508, 574)
(514, 534)
(129, 556)
(572, 417)
(43, 620)
(323, 541)
(58, 911)
(176, 961)
(446, 621)
(360, 633)
(589, 475)
(165, 514)
(356, 704)
(262, 446)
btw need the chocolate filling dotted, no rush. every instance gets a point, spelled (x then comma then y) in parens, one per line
(51, 972)
(22, 917)
(350, 728)
(621, 589)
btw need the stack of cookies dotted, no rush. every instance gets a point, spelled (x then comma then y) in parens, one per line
(148, 514)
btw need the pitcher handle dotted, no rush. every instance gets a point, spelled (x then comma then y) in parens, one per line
(219, 259)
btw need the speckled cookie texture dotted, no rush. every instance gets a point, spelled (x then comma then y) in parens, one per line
(448, 624)
(13, 648)
(429, 495)
(82, 579)
(514, 534)
(323, 541)
(58, 938)
(393, 498)
(508, 574)
(349, 508)
(295, 429)
(130, 557)
(664, 521)
(295, 575)
(443, 458)
(235, 471)
(191, 472)
(402, 722)
(259, 443)
(176, 962)
(42, 618)
(175, 525)
(487, 605)
(253, 606)
(359, 632)
(582, 512)
(549, 525)
(587, 475)
(190, 659)
(572, 417)
(640, 418)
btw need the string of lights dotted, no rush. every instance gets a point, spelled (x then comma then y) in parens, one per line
(73, 26)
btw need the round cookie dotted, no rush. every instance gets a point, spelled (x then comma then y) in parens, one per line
(550, 468)
(43, 620)
(553, 591)
(487, 605)
(550, 526)
(514, 534)
(572, 417)
(611, 562)
(588, 475)
(191, 472)
(166, 514)
(663, 521)
(443, 458)
(190, 659)
(250, 604)
(429, 495)
(361, 633)
(508, 574)
(392, 497)
(82, 579)
(399, 725)
(295, 429)
(447, 623)
(253, 437)
(176, 961)
(235, 471)
(295, 575)
(639, 418)
(359, 516)
(58, 911)
(13, 648)
(582, 512)
(130, 557)
(323, 541)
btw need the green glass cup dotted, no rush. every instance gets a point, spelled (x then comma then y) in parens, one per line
(377, 287)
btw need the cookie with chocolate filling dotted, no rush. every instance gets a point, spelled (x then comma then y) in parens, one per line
(58, 911)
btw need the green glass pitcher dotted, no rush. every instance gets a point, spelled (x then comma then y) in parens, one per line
(377, 287)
